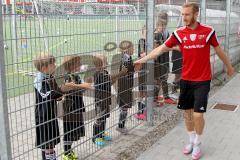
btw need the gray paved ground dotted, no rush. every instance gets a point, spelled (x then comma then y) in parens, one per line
(221, 139)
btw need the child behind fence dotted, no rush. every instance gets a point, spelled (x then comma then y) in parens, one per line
(161, 68)
(125, 84)
(46, 94)
(142, 78)
(73, 106)
(103, 98)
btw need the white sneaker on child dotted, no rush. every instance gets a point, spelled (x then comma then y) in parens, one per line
(174, 96)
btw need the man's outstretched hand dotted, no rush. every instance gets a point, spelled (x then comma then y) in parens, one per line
(230, 71)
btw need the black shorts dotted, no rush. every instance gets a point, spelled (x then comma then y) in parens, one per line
(142, 79)
(47, 134)
(194, 95)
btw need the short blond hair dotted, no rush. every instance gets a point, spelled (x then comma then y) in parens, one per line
(100, 60)
(162, 18)
(43, 60)
(195, 6)
(71, 60)
(125, 45)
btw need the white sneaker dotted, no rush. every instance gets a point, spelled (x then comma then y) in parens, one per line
(196, 153)
(174, 96)
(188, 149)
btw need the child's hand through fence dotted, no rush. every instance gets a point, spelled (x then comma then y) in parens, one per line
(89, 86)
(124, 71)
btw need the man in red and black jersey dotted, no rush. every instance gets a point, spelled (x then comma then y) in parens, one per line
(194, 41)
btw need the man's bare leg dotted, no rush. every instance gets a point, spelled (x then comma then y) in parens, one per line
(198, 126)
(199, 123)
(188, 118)
(189, 123)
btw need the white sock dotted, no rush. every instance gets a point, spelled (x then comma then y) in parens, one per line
(50, 156)
(197, 139)
(192, 136)
(143, 100)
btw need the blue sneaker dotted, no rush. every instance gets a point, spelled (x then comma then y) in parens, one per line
(106, 136)
(99, 142)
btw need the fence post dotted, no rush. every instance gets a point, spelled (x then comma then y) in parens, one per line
(14, 34)
(228, 12)
(150, 74)
(5, 145)
(203, 11)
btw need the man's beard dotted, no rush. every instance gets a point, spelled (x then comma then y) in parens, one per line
(191, 22)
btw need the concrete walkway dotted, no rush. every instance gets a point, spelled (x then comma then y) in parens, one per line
(221, 139)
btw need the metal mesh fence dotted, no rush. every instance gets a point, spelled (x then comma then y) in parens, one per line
(234, 35)
(85, 104)
(68, 31)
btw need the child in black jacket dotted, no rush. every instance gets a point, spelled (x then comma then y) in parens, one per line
(142, 78)
(46, 94)
(103, 98)
(73, 105)
(125, 84)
